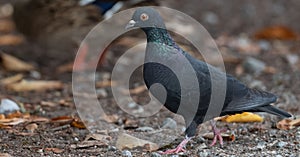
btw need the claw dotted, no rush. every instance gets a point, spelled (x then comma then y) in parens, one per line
(217, 133)
(179, 148)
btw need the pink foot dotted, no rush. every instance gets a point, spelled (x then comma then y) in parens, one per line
(179, 148)
(217, 133)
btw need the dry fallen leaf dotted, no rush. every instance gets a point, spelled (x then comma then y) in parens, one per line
(25, 85)
(48, 104)
(12, 63)
(288, 124)
(16, 114)
(136, 90)
(242, 118)
(103, 84)
(6, 26)
(54, 150)
(18, 118)
(62, 119)
(12, 121)
(65, 68)
(5, 155)
(2, 116)
(37, 119)
(110, 118)
(99, 137)
(270, 70)
(12, 79)
(11, 40)
(276, 32)
(31, 127)
(78, 124)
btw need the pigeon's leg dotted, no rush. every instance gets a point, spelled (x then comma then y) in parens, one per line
(179, 148)
(217, 133)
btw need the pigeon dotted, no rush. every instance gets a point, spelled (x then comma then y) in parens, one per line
(163, 55)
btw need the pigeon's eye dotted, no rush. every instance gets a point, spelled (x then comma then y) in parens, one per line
(144, 17)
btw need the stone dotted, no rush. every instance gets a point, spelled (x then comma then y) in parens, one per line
(126, 153)
(127, 141)
(8, 106)
(169, 123)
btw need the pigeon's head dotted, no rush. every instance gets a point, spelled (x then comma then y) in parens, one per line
(145, 18)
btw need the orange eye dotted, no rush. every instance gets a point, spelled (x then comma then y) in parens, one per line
(144, 17)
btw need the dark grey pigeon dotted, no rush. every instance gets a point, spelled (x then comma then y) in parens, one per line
(165, 60)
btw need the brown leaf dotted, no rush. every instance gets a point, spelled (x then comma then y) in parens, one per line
(5, 155)
(31, 127)
(103, 84)
(2, 116)
(54, 150)
(6, 26)
(38, 119)
(12, 79)
(16, 114)
(62, 119)
(11, 40)
(78, 124)
(11, 63)
(65, 68)
(136, 90)
(13, 121)
(24, 86)
(129, 123)
(270, 70)
(288, 124)
(276, 32)
(48, 104)
(111, 118)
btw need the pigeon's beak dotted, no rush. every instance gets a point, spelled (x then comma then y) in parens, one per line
(130, 24)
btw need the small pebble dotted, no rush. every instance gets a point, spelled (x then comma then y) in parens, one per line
(112, 148)
(132, 105)
(40, 150)
(169, 123)
(203, 154)
(8, 106)
(211, 18)
(154, 154)
(35, 74)
(281, 144)
(101, 92)
(126, 153)
(145, 129)
(264, 45)
(261, 145)
(202, 146)
(254, 65)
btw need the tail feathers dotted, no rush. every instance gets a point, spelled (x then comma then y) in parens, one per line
(273, 110)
